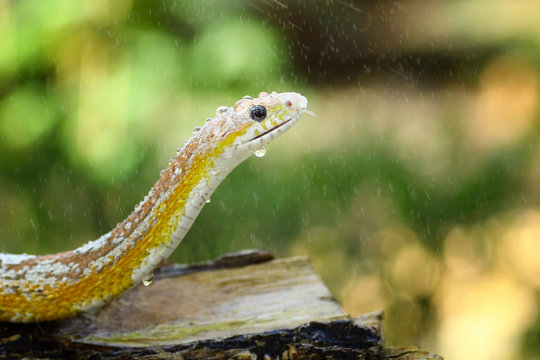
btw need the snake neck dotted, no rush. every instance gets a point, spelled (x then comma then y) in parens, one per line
(87, 277)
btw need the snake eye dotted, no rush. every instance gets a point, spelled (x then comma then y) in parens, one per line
(257, 113)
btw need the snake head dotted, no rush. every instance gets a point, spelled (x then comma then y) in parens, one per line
(267, 117)
(237, 132)
(253, 122)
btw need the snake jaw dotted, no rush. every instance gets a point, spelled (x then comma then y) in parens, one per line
(272, 129)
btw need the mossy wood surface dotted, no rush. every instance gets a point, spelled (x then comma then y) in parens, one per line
(247, 305)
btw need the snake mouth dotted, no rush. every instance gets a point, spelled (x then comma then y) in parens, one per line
(269, 131)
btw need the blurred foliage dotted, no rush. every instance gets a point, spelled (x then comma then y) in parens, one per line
(416, 189)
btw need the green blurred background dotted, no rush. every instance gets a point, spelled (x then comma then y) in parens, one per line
(416, 189)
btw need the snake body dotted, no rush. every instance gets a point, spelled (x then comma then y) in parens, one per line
(49, 287)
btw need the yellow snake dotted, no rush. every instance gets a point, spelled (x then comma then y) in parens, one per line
(49, 287)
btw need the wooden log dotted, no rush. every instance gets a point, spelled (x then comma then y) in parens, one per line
(246, 305)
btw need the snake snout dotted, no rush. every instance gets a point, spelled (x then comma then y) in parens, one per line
(294, 100)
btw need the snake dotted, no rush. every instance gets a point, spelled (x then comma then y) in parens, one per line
(36, 288)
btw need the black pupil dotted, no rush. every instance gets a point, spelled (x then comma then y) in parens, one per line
(257, 113)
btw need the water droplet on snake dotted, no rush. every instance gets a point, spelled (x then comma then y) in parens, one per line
(221, 110)
(195, 130)
(260, 152)
(208, 200)
(147, 281)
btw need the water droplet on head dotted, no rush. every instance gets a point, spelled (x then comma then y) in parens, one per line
(260, 152)
(147, 281)
(247, 97)
(195, 130)
(178, 170)
(208, 200)
(209, 119)
(263, 94)
(221, 110)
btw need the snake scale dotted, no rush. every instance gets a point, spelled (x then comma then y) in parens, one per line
(49, 287)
